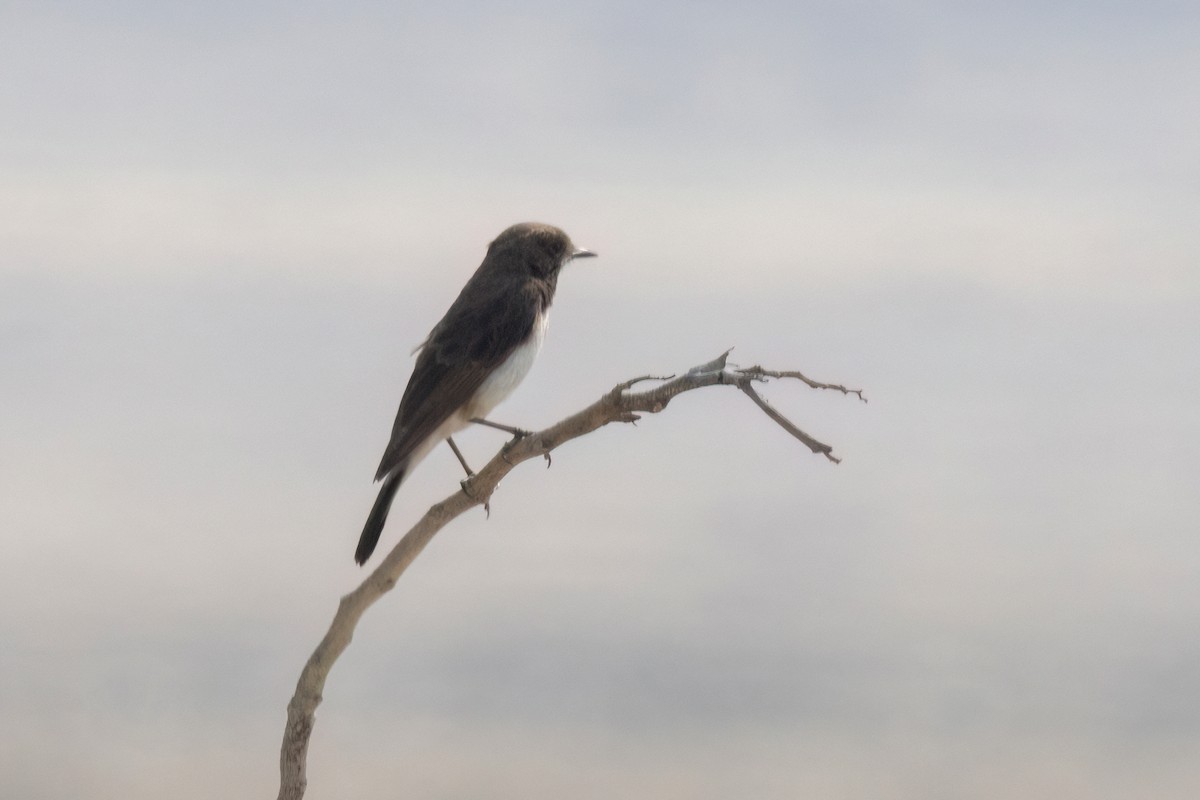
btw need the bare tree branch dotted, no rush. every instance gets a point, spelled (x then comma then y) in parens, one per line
(617, 405)
(758, 371)
(786, 424)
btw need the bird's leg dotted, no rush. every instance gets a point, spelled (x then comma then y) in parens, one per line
(470, 474)
(461, 460)
(517, 433)
(487, 506)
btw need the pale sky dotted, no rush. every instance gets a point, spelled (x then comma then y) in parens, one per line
(224, 228)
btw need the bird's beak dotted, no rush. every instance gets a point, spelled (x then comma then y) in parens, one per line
(581, 253)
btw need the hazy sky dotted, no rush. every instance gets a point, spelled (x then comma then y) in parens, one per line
(224, 227)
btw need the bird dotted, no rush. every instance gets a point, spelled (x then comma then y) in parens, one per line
(474, 357)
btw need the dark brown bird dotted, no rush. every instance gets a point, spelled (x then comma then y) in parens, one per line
(475, 356)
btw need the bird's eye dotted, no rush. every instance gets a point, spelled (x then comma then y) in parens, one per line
(549, 244)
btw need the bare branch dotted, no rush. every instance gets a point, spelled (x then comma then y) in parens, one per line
(615, 405)
(786, 424)
(758, 371)
(623, 385)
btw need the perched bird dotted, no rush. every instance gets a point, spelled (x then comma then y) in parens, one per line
(475, 356)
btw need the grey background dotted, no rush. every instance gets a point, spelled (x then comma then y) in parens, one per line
(224, 227)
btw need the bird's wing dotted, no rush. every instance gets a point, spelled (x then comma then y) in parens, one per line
(460, 353)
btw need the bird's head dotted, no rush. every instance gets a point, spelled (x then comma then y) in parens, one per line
(539, 248)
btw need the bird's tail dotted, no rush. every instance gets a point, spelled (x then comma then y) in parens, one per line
(378, 515)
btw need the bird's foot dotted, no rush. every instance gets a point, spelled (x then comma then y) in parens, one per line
(465, 485)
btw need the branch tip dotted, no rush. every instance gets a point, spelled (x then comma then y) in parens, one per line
(758, 373)
(716, 365)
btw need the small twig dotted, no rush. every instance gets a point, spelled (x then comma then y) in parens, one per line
(623, 385)
(758, 371)
(787, 425)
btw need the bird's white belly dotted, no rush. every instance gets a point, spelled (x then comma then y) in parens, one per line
(511, 372)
